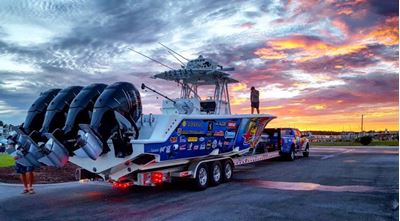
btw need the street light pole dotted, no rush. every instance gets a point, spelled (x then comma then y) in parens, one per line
(362, 123)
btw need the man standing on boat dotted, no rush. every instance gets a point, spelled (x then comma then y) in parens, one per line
(255, 100)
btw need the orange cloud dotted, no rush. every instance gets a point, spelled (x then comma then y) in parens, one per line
(306, 48)
(387, 34)
(238, 87)
(345, 11)
(267, 53)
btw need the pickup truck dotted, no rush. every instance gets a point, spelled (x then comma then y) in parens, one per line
(288, 141)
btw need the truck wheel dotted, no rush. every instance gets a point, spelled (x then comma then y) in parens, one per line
(201, 180)
(215, 173)
(227, 172)
(292, 154)
(306, 152)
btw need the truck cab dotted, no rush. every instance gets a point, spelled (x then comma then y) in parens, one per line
(288, 141)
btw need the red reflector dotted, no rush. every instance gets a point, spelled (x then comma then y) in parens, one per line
(184, 173)
(157, 177)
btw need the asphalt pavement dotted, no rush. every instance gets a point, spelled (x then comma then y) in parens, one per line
(332, 184)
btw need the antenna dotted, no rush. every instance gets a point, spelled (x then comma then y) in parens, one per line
(173, 51)
(151, 59)
(183, 65)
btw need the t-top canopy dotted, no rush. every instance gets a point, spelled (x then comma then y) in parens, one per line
(196, 77)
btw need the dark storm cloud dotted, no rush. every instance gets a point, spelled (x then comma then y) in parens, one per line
(387, 8)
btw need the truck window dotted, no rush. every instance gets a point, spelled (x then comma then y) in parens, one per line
(287, 132)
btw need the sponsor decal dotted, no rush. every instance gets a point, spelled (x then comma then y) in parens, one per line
(165, 148)
(210, 126)
(168, 149)
(182, 139)
(248, 137)
(219, 143)
(231, 125)
(229, 134)
(195, 147)
(176, 146)
(191, 132)
(182, 147)
(192, 139)
(221, 123)
(184, 123)
(202, 146)
(173, 139)
(219, 133)
(214, 144)
(226, 143)
(201, 139)
(190, 146)
(192, 124)
(179, 131)
(209, 144)
(209, 134)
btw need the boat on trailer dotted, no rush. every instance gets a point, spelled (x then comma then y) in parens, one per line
(118, 140)
(188, 127)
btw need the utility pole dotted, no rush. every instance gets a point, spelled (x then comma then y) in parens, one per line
(362, 123)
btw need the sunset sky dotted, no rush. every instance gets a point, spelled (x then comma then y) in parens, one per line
(318, 65)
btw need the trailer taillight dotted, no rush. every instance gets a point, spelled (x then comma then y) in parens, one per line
(157, 177)
(121, 185)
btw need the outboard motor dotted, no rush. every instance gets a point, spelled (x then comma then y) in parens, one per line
(114, 117)
(35, 117)
(33, 122)
(60, 143)
(54, 118)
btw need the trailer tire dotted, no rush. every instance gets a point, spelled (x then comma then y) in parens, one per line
(215, 173)
(201, 181)
(227, 171)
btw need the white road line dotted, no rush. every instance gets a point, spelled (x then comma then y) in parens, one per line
(334, 155)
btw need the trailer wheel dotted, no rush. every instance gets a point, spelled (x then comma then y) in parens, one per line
(306, 152)
(201, 180)
(215, 173)
(227, 172)
(292, 154)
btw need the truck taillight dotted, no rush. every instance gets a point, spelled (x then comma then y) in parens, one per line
(157, 177)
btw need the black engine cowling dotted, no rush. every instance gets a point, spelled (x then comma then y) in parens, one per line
(119, 100)
(35, 117)
(57, 110)
(79, 112)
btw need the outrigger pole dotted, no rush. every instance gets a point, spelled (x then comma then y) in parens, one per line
(151, 59)
(162, 95)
